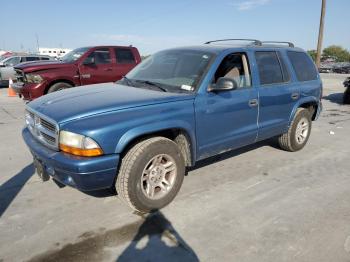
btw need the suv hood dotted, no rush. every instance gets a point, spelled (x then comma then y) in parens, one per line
(85, 101)
(28, 67)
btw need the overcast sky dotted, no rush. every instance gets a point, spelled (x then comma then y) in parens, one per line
(158, 24)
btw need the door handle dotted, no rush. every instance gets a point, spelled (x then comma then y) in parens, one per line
(253, 102)
(108, 69)
(295, 96)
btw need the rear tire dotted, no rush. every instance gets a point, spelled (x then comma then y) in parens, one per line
(58, 86)
(151, 174)
(298, 133)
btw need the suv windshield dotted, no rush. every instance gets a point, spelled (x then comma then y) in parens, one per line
(74, 55)
(173, 70)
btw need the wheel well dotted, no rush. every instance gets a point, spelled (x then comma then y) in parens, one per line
(312, 107)
(58, 81)
(179, 136)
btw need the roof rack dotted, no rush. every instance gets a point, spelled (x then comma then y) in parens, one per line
(255, 42)
(278, 42)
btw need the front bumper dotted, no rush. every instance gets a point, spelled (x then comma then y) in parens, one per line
(29, 91)
(83, 173)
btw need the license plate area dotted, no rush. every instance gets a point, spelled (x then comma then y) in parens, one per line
(41, 170)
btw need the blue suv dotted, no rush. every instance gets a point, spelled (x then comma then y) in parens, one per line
(175, 108)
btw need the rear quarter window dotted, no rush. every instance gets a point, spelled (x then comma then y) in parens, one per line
(303, 66)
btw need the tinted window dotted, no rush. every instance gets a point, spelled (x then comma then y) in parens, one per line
(304, 68)
(44, 58)
(124, 56)
(31, 58)
(101, 56)
(285, 72)
(270, 71)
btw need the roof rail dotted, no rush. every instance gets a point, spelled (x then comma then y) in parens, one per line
(255, 42)
(278, 42)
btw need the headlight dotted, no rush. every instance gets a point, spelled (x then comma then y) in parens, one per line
(33, 78)
(79, 145)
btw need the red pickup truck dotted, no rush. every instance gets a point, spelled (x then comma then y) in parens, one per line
(82, 66)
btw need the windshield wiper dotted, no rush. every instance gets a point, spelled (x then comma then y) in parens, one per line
(150, 83)
(128, 81)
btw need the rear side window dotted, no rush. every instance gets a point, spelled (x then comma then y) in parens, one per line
(271, 68)
(124, 56)
(44, 58)
(303, 66)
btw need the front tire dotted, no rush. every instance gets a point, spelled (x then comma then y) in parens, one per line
(58, 86)
(298, 133)
(151, 174)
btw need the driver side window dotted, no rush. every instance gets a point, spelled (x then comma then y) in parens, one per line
(100, 56)
(235, 66)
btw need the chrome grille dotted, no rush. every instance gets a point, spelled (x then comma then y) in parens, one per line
(42, 128)
(48, 125)
(20, 76)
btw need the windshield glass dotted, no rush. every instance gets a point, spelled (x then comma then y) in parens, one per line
(2, 58)
(178, 69)
(74, 55)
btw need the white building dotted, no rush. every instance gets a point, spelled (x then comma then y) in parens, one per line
(54, 52)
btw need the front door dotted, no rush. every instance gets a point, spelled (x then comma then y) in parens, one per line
(97, 67)
(227, 119)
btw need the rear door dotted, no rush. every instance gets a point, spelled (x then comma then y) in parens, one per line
(124, 62)
(99, 68)
(277, 93)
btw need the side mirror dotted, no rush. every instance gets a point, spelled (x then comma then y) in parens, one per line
(90, 60)
(223, 84)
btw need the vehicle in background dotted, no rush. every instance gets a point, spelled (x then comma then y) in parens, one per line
(6, 66)
(54, 52)
(5, 54)
(326, 68)
(82, 66)
(346, 97)
(342, 68)
(177, 107)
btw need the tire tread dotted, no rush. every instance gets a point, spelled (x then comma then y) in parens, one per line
(125, 169)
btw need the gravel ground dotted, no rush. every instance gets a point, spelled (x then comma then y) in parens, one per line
(258, 203)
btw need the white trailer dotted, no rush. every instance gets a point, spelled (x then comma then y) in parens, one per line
(54, 52)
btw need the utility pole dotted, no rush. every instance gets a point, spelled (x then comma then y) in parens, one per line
(320, 34)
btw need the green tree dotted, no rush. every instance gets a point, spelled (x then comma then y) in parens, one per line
(339, 53)
(312, 53)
